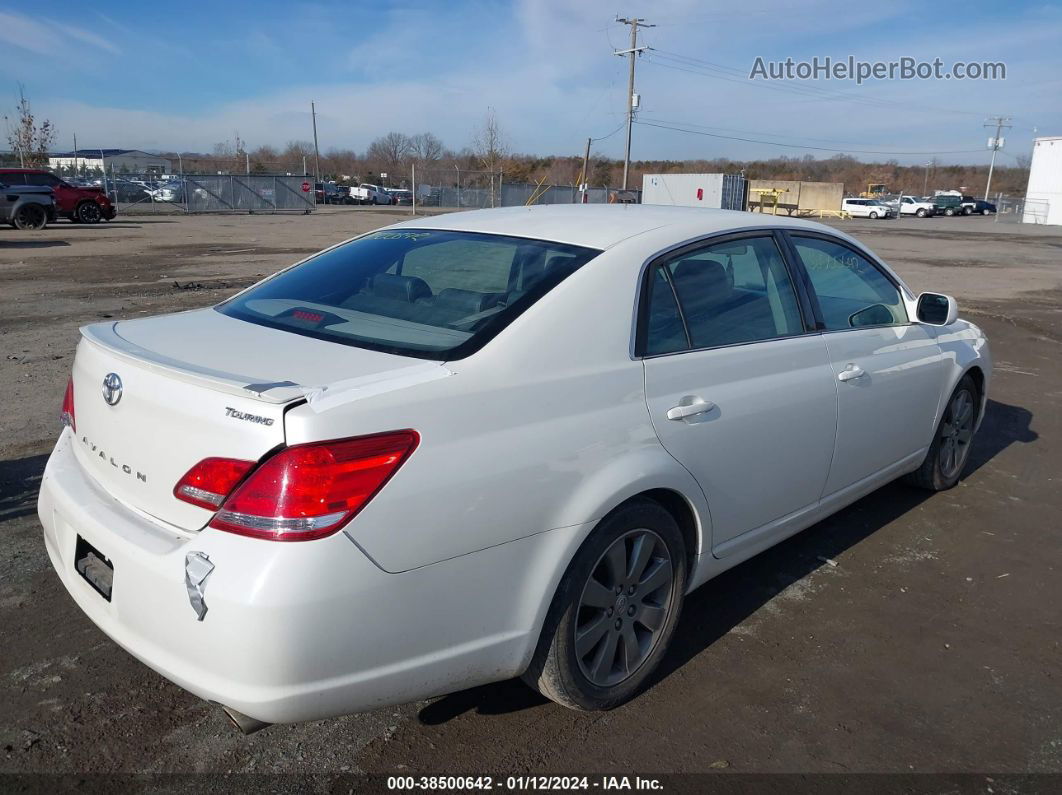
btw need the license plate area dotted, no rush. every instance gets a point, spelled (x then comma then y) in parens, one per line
(95, 567)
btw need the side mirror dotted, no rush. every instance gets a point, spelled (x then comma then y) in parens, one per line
(935, 309)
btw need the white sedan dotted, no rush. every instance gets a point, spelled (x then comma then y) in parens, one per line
(485, 445)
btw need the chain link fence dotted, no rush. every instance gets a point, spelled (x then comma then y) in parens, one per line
(1017, 211)
(467, 190)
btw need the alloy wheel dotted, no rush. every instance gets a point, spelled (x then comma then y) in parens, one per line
(623, 607)
(31, 216)
(956, 432)
(89, 213)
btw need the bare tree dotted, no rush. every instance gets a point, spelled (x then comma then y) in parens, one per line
(31, 141)
(426, 149)
(390, 152)
(491, 147)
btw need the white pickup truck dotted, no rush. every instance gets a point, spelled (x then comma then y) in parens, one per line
(367, 193)
(909, 205)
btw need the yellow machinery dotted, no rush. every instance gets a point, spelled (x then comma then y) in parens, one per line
(874, 190)
(769, 197)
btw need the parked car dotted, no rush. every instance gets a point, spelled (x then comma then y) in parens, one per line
(342, 195)
(909, 205)
(367, 193)
(419, 484)
(946, 204)
(400, 196)
(867, 208)
(970, 205)
(26, 206)
(168, 192)
(125, 191)
(84, 205)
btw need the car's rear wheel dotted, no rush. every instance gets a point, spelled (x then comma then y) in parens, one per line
(30, 216)
(947, 456)
(89, 213)
(614, 612)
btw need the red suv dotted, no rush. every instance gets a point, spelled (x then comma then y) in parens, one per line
(84, 205)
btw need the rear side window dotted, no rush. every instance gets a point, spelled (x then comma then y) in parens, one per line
(433, 294)
(851, 290)
(727, 293)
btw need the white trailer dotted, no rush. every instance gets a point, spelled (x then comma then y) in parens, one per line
(717, 191)
(1043, 197)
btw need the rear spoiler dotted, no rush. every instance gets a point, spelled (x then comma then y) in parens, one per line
(105, 335)
(319, 398)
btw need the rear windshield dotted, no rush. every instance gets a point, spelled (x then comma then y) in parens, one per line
(432, 294)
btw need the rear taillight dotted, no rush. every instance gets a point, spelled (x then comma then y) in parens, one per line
(311, 490)
(66, 416)
(209, 482)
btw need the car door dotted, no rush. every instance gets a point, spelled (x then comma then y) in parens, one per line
(737, 382)
(889, 371)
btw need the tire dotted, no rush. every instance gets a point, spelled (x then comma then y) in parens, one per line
(873, 216)
(30, 216)
(921, 213)
(89, 213)
(939, 471)
(950, 211)
(618, 652)
(967, 211)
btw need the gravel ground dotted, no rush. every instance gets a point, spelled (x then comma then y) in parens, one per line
(909, 633)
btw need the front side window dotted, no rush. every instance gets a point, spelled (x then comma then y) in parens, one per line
(432, 294)
(727, 293)
(852, 291)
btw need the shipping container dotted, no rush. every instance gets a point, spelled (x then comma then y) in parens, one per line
(715, 191)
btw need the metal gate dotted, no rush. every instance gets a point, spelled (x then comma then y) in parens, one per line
(251, 193)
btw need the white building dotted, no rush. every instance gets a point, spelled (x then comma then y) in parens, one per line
(125, 161)
(1043, 197)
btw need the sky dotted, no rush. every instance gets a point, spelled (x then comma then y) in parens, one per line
(169, 76)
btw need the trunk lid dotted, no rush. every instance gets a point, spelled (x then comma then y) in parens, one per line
(195, 385)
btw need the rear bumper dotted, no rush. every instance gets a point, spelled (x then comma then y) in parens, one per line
(109, 212)
(297, 631)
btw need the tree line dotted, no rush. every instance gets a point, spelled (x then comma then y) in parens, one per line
(488, 156)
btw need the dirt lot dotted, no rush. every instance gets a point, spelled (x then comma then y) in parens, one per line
(910, 633)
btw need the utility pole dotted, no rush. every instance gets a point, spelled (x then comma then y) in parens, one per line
(631, 53)
(75, 155)
(316, 153)
(925, 182)
(996, 143)
(584, 180)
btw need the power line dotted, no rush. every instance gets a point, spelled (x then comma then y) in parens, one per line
(798, 146)
(734, 75)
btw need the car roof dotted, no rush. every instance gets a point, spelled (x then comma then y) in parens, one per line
(604, 225)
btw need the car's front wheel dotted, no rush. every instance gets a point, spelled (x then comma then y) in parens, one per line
(30, 216)
(967, 210)
(89, 213)
(874, 216)
(947, 455)
(614, 612)
(921, 212)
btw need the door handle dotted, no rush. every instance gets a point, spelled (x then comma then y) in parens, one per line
(851, 372)
(697, 406)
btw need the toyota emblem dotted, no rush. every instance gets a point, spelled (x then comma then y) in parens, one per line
(112, 389)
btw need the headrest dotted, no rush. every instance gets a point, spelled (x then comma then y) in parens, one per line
(467, 301)
(701, 283)
(400, 288)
